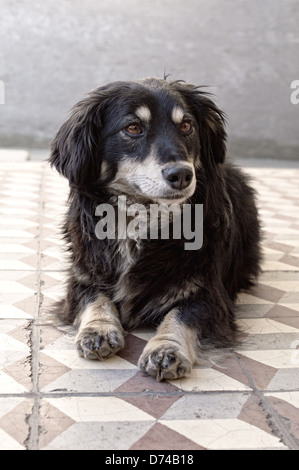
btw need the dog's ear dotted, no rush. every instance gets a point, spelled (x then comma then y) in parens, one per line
(76, 149)
(210, 120)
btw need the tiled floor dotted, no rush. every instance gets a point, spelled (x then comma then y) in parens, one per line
(52, 399)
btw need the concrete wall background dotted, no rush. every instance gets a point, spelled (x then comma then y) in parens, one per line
(52, 53)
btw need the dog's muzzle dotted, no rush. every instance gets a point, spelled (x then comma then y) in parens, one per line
(178, 176)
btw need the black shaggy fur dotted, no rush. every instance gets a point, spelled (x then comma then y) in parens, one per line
(202, 284)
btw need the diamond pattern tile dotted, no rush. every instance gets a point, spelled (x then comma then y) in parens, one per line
(52, 399)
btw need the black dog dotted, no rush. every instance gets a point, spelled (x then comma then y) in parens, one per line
(153, 142)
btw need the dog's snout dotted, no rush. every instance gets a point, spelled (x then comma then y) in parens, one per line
(178, 176)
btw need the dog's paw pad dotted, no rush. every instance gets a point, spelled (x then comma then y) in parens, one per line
(96, 344)
(165, 363)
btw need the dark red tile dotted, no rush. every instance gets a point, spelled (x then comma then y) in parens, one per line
(272, 294)
(21, 372)
(253, 413)
(288, 414)
(231, 368)
(279, 311)
(142, 382)
(291, 260)
(15, 423)
(50, 370)
(52, 423)
(154, 405)
(160, 437)
(133, 349)
(49, 334)
(260, 373)
(278, 246)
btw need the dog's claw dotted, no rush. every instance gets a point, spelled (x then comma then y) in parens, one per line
(94, 344)
(165, 364)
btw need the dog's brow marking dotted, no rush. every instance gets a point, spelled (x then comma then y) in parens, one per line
(143, 113)
(177, 115)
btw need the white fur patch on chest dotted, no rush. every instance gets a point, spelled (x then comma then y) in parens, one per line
(128, 251)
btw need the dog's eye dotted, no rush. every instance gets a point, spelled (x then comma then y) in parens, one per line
(134, 129)
(186, 127)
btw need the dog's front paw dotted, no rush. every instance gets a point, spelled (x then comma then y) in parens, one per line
(99, 343)
(164, 362)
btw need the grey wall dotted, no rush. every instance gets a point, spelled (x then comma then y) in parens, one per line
(52, 52)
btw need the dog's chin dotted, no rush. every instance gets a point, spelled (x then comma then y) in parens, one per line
(168, 199)
(173, 197)
(137, 193)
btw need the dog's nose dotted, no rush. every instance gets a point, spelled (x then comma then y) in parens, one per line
(178, 176)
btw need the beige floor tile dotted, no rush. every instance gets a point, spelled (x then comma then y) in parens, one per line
(225, 434)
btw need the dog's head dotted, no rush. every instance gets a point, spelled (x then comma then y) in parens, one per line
(148, 138)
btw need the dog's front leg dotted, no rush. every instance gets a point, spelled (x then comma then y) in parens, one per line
(171, 353)
(100, 334)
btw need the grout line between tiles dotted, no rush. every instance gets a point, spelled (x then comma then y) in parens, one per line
(33, 420)
(155, 393)
(274, 421)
